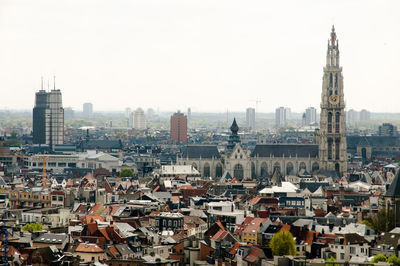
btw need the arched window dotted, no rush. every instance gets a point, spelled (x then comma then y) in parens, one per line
(264, 170)
(330, 148)
(238, 171)
(218, 170)
(289, 168)
(329, 122)
(337, 149)
(302, 166)
(277, 167)
(364, 153)
(253, 170)
(206, 170)
(336, 80)
(337, 122)
(315, 167)
(330, 80)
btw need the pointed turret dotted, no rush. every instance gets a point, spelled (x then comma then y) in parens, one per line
(234, 137)
(234, 127)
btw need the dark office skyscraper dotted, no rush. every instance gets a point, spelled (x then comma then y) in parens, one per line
(48, 118)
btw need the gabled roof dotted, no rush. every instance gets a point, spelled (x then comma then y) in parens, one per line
(221, 234)
(203, 151)
(394, 188)
(285, 150)
(254, 254)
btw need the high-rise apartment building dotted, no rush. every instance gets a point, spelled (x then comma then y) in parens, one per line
(87, 109)
(139, 119)
(48, 118)
(365, 115)
(387, 129)
(189, 113)
(288, 113)
(352, 116)
(311, 115)
(251, 118)
(179, 127)
(280, 117)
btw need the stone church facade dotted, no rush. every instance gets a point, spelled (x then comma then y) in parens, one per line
(329, 154)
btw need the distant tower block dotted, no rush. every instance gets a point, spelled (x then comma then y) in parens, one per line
(48, 118)
(87, 110)
(179, 127)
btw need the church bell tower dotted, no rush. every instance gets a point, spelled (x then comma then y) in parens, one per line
(332, 133)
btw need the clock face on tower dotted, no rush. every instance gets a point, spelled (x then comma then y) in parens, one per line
(334, 99)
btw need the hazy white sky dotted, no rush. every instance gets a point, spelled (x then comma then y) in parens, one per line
(210, 55)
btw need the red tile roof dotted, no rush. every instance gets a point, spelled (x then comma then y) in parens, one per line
(92, 228)
(91, 219)
(220, 225)
(89, 248)
(95, 208)
(234, 249)
(114, 252)
(103, 231)
(253, 254)
(220, 235)
(285, 227)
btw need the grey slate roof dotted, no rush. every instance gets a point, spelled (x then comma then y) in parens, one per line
(394, 188)
(101, 144)
(203, 151)
(375, 141)
(287, 150)
(50, 238)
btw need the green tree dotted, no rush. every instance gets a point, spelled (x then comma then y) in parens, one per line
(383, 221)
(367, 223)
(282, 243)
(32, 227)
(395, 261)
(331, 259)
(378, 258)
(126, 172)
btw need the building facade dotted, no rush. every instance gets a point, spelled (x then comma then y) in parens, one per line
(251, 118)
(179, 127)
(280, 117)
(48, 118)
(139, 118)
(273, 160)
(87, 110)
(311, 116)
(331, 136)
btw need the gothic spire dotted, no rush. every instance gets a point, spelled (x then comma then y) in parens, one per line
(234, 127)
(332, 57)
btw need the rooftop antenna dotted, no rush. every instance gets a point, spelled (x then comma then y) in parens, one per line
(48, 85)
(54, 80)
(42, 82)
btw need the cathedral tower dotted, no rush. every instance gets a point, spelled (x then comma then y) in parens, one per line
(332, 133)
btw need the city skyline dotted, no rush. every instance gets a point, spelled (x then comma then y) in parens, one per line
(196, 48)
